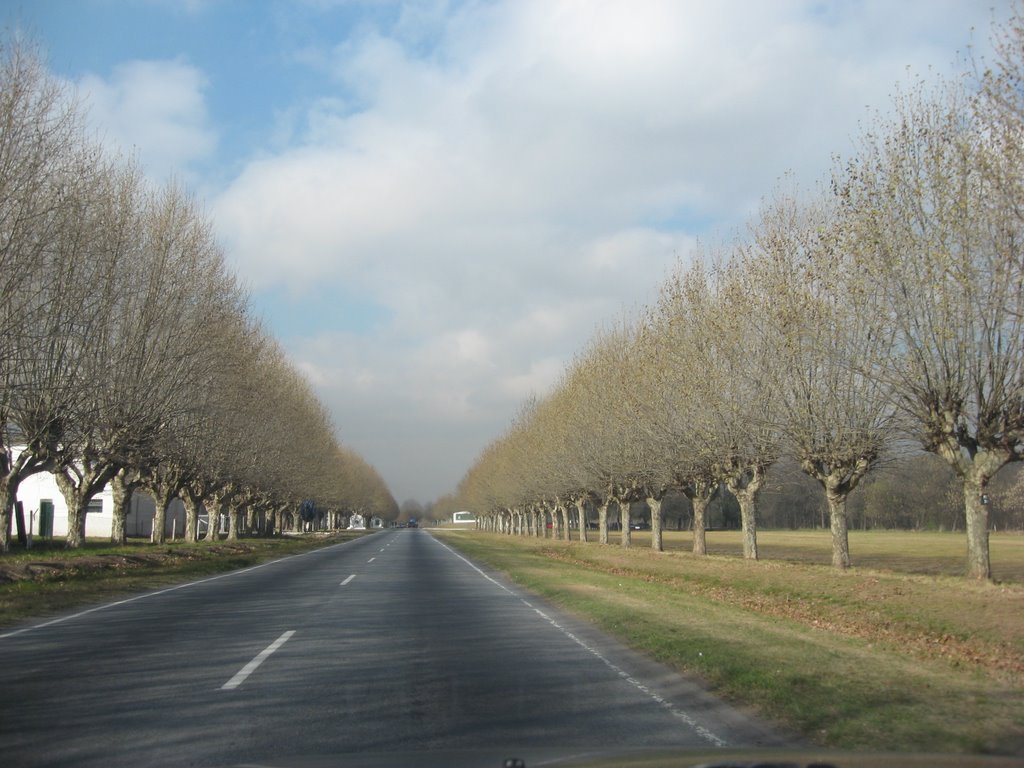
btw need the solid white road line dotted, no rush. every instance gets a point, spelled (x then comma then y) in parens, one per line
(346, 581)
(249, 668)
(673, 710)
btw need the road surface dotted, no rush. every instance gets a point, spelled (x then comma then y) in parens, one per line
(389, 646)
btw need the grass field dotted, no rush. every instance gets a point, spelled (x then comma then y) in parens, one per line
(902, 655)
(927, 553)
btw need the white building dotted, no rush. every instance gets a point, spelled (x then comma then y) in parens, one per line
(46, 512)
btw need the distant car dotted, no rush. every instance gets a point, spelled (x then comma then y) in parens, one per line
(413, 524)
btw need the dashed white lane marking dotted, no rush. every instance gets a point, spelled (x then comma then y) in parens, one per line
(346, 581)
(175, 588)
(251, 667)
(371, 559)
(703, 732)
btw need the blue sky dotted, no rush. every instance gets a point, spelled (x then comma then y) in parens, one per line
(435, 203)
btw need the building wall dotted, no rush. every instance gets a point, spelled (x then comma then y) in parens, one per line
(98, 522)
(42, 486)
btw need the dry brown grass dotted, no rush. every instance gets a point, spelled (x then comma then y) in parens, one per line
(888, 656)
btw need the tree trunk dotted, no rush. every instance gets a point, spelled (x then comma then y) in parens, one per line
(838, 524)
(748, 516)
(655, 505)
(745, 487)
(233, 516)
(976, 512)
(191, 515)
(581, 512)
(214, 510)
(974, 474)
(700, 505)
(162, 496)
(564, 512)
(77, 492)
(76, 523)
(602, 523)
(76, 503)
(627, 532)
(700, 493)
(123, 490)
(8, 497)
(12, 472)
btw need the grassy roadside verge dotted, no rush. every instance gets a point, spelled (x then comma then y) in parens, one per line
(41, 582)
(859, 660)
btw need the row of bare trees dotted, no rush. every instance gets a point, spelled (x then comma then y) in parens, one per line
(128, 353)
(883, 310)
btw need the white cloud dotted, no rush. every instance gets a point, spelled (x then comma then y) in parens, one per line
(155, 109)
(539, 168)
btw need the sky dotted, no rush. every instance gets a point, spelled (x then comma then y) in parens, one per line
(434, 205)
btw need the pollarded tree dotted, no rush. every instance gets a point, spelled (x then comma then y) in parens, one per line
(52, 391)
(525, 481)
(91, 424)
(182, 292)
(744, 401)
(48, 174)
(720, 403)
(584, 435)
(162, 279)
(689, 434)
(562, 448)
(815, 312)
(619, 424)
(223, 452)
(935, 200)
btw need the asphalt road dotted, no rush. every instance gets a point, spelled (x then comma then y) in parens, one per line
(388, 650)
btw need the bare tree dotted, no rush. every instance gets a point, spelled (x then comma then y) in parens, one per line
(816, 313)
(46, 173)
(935, 197)
(720, 403)
(92, 423)
(619, 425)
